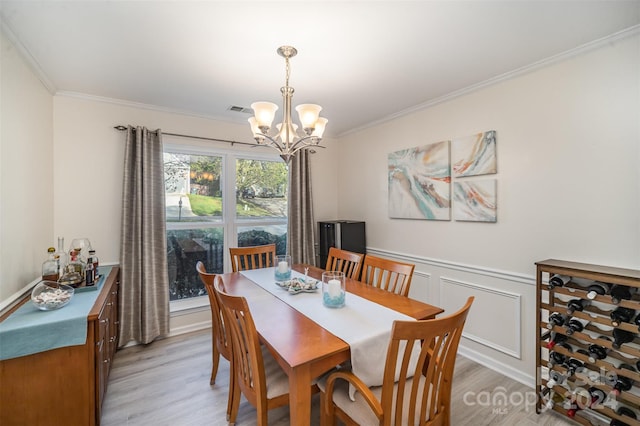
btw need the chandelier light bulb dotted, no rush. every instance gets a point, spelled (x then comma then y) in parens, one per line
(264, 112)
(308, 115)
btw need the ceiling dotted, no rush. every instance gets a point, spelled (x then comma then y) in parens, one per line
(363, 61)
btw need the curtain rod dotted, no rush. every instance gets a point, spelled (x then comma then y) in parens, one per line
(123, 128)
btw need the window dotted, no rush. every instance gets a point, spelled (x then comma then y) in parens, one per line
(214, 201)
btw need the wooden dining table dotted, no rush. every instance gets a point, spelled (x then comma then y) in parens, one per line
(304, 349)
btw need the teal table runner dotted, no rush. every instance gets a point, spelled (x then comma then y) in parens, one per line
(29, 330)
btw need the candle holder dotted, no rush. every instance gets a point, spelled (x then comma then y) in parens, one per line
(283, 267)
(333, 289)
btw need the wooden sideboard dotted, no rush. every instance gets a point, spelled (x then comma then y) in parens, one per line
(65, 385)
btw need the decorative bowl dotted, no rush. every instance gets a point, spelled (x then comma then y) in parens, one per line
(299, 285)
(50, 295)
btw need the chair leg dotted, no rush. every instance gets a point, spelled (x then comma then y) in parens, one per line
(216, 362)
(327, 415)
(232, 385)
(234, 400)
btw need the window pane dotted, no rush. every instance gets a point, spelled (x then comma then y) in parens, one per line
(192, 188)
(261, 189)
(185, 247)
(261, 235)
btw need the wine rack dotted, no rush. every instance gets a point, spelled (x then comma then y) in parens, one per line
(585, 376)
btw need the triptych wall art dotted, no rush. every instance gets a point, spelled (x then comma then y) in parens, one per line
(420, 180)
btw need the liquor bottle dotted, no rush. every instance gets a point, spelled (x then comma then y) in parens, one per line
(63, 259)
(576, 324)
(621, 292)
(620, 337)
(555, 339)
(557, 280)
(620, 315)
(597, 352)
(94, 259)
(577, 305)
(598, 288)
(89, 276)
(622, 383)
(556, 318)
(50, 271)
(76, 263)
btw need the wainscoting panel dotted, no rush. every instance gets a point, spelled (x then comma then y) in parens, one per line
(498, 329)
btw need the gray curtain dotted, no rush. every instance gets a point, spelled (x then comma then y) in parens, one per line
(144, 281)
(300, 232)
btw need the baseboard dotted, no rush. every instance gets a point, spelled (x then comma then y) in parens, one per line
(190, 328)
(496, 366)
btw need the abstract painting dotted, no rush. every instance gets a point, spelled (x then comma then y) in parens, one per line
(474, 155)
(419, 182)
(475, 200)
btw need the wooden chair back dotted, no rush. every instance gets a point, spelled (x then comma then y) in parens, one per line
(389, 275)
(221, 342)
(220, 338)
(248, 360)
(254, 257)
(413, 393)
(346, 261)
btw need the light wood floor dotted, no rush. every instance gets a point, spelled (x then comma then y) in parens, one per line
(167, 383)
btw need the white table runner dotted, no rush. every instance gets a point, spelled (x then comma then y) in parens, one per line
(364, 325)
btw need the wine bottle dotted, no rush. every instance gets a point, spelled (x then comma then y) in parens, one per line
(623, 383)
(597, 397)
(620, 337)
(598, 288)
(555, 339)
(573, 365)
(621, 292)
(577, 305)
(576, 324)
(557, 280)
(556, 318)
(637, 321)
(552, 398)
(597, 352)
(555, 378)
(626, 411)
(620, 315)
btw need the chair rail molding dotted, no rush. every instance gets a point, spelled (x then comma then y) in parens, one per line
(472, 269)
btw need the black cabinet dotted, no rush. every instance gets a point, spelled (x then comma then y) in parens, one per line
(343, 234)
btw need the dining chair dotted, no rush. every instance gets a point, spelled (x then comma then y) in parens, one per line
(346, 261)
(413, 392)
(220, 339)
(387, 274)
(258, 376)
(254, 257)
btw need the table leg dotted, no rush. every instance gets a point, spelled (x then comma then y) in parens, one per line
(300, 396)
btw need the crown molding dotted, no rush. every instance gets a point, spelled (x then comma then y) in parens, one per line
(26, 55)
(587, 47)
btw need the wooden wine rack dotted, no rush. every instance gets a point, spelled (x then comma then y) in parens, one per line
(553, 300)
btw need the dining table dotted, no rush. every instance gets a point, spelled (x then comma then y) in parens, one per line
(303, 348)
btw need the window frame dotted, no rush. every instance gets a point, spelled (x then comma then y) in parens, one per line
(229, 222)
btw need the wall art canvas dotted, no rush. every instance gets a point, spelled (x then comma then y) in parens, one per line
(419, 182)
(475, 200)
(474, 155)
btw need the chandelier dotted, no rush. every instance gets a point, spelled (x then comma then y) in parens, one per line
(286, 139)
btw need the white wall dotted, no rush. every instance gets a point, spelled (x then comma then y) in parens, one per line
(89, 157)
(26, 172)
(568, 149)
